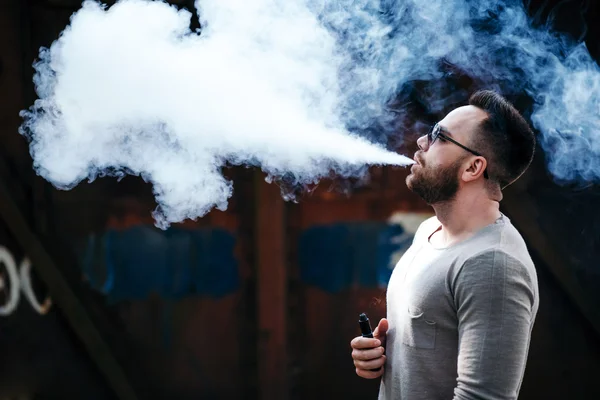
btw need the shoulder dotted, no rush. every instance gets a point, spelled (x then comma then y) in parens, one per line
(494, 275)
(498, 258)
(494, 258)
(499, 246)
(497, 266)
(506, 237)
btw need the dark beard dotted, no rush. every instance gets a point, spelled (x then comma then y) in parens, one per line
(435, 186)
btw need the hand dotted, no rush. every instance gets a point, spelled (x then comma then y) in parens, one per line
(368, 354)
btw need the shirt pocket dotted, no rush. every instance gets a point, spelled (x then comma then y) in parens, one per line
(419, 332)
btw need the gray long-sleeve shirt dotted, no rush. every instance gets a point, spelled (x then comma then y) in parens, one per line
(460, 318)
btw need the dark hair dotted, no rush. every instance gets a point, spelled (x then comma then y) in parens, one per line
(504, 138)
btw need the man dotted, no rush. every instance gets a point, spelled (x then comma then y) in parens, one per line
(462, 301)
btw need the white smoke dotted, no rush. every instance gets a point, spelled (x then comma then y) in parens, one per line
(493, 42)
(280, 83)
(130, 89)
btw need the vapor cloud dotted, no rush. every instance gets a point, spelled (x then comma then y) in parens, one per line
(286, 85)
(131, 89)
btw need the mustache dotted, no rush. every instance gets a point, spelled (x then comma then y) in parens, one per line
(418, 157)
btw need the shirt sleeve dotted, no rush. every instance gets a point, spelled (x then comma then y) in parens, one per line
(495, 301)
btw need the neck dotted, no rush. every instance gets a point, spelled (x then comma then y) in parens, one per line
(464, 215)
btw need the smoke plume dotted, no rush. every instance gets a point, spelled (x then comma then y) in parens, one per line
(131, 89)
(287, 85)
(495, 42)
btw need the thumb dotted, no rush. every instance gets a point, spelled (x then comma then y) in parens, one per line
(382, 328)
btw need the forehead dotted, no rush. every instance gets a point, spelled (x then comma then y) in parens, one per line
(462, 122)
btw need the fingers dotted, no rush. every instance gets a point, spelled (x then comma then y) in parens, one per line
(360, 342)
(369, 354)
(370, 364)
(367, 374)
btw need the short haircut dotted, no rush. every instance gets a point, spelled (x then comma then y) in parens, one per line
(504, 138)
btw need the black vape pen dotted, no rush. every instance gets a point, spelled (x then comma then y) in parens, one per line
(365, 326)
(365, 329)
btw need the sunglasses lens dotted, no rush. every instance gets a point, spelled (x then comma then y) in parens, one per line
(432, 135)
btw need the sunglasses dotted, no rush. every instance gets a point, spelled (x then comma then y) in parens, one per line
(438, 132)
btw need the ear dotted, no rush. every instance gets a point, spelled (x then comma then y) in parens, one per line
(475, 168)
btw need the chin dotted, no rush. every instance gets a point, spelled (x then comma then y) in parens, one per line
(408, 181)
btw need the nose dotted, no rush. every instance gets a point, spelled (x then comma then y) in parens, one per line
(422, 142)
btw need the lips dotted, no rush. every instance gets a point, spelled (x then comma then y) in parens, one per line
(415, 165)
(416, 159)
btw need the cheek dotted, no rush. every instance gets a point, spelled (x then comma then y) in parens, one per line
(430, 163)
(437, 160)
(430, 158)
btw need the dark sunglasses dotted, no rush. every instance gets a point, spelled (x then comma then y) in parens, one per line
(438, 132)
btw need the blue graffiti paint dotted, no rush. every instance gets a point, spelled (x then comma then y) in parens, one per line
(337, 256)
(176, 263)
(215, 270)
(323, 257)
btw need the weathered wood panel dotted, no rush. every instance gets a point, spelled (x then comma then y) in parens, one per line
(271, 279)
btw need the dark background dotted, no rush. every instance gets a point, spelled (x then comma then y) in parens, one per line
(259, 301)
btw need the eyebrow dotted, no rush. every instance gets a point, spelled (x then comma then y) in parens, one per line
(445, 131)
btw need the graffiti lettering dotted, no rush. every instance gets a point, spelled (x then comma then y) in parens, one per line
(19, 280)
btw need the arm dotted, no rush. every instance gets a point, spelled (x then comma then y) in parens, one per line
(495, 301)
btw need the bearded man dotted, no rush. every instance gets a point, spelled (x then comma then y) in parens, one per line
(462, 301)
